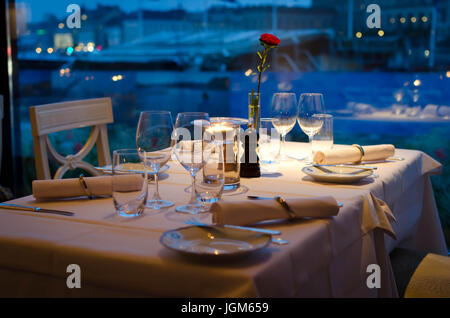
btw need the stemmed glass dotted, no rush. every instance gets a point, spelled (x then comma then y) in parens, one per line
(192, 151)
(154, 139)
(284, 113)
(311, 105)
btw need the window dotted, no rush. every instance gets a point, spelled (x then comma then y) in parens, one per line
(382, 87)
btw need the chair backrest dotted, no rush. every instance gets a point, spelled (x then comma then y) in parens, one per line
(50, 118)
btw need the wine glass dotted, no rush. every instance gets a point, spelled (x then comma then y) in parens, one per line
(284, 113)
(311, 105)
(192, 151)
(154, 139)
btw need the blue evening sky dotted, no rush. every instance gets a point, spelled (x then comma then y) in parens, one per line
(36, 9)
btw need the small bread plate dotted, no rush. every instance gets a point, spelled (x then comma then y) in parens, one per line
(337, 174)
(214, 241)
(131, 167)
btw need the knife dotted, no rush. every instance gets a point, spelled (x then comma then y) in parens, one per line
(11, 206)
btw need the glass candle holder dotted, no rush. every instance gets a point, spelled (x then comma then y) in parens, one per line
(226, 133)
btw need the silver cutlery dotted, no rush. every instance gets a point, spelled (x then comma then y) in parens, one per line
(11, 206)
(324, 169)
(274, 240)
(349, 166)
(195, 221)
(395, 158)
(279, 241)
(255, 197)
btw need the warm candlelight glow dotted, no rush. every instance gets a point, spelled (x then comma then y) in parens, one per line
(219, 127)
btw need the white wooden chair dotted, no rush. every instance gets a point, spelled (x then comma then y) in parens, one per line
(50, 118)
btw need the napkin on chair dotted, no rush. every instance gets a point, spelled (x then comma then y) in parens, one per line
(352, 154)
(98, 186)
(252, 211)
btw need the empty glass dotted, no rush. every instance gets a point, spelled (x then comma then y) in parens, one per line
(323, 140)
(269, 142)
(129, 183)
(192, 151)
(284, 113)
(154, 139)
(310, 105)
(209, 185)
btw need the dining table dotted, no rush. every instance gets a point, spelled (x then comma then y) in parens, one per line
(325, 257)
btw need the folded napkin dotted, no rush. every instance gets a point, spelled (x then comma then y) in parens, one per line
(352, 154)
(97, 186)
(252, 211)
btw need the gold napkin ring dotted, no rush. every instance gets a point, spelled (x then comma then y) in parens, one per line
(361, 150)
(286, 207)
(84, 186)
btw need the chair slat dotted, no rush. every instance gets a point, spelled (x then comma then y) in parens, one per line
(57, 117)
(51, 118)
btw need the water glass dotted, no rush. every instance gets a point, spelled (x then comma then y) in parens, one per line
(323, 140)
(209, 185)
(269, 142)
(129, 183)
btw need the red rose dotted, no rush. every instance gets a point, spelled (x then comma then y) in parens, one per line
(269, 39)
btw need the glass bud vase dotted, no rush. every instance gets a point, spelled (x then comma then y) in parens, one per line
(250, 167)
(254, 110)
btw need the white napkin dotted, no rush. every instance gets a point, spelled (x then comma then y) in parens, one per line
(352, 154)
(98, 186)
(252, 211)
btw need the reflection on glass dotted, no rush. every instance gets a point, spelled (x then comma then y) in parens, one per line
(269, 142)
(323, 139)
(177, 55)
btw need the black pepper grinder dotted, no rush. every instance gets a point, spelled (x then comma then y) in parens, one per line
(250, 167)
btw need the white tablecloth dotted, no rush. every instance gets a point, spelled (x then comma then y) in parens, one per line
(324, 258)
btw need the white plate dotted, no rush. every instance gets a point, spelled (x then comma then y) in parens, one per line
(135, 167)
(214, 241)
(339, 175)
